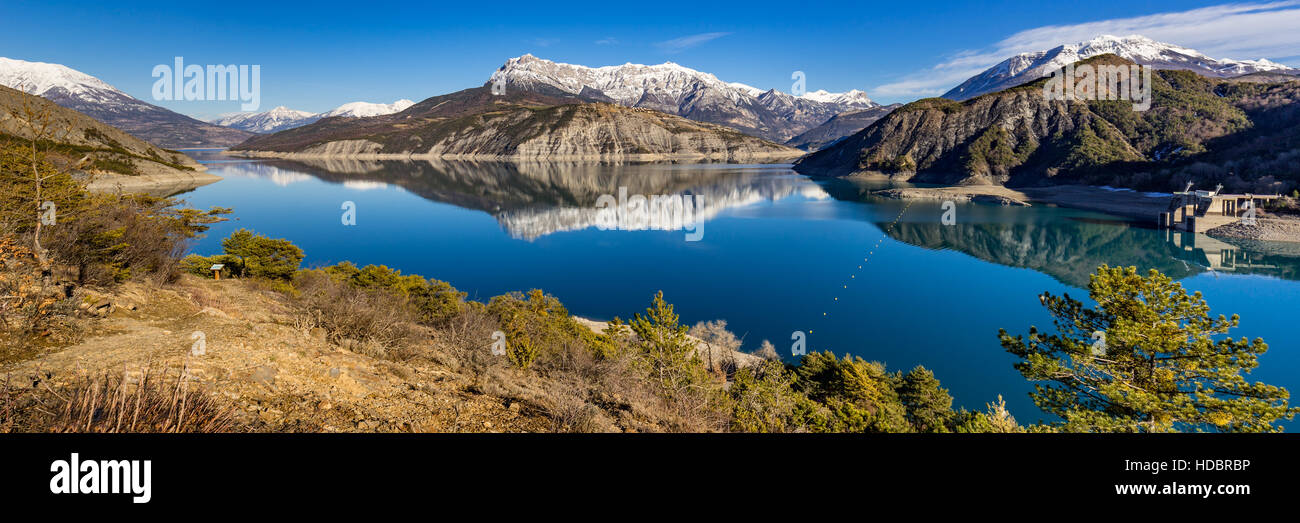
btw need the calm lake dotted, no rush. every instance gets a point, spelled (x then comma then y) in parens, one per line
(779, 253)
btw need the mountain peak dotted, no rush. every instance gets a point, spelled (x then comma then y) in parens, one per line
(1026, 67)
(97, 99)
(368, 109)
(680, 90)
(283, 118)
(852, 96)
(39, 78)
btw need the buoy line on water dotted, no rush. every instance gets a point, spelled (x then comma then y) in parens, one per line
(867, 259)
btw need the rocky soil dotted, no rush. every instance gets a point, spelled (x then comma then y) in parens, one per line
(280, 374)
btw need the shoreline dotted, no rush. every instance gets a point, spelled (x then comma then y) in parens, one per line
(153, 184)
(637, 157)
(1137, 206)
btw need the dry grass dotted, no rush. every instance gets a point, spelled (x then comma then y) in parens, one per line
(359, 319)
(113, 404)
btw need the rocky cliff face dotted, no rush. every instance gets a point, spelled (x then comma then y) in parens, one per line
(1197, 129)
(533, 127)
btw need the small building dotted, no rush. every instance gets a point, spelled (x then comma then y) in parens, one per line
(216, 270)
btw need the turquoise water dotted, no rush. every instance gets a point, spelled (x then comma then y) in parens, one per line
(779, 253)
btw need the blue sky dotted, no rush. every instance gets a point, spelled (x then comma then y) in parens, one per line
(315, 56)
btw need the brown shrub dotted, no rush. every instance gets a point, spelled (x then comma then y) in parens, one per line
(359, 318)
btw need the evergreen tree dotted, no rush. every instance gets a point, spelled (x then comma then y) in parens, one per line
(1149, 358)
(858, 395)
(929, 406)
(671, 358)
(995, 420)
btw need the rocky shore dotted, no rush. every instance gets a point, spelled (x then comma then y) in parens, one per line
(153, 184)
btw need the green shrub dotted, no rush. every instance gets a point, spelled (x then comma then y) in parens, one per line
(437, 301)
(763, 399)
(535, 325)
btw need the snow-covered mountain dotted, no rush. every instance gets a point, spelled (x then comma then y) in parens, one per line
(40, 79)
(1027, 67)
(852, 97)
(275, 120)
(367, 109)
(99, 100)
(282, 118)
(679, 90)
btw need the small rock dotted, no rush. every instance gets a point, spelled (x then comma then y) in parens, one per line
(265, 375)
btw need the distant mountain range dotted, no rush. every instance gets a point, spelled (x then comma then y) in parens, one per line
(520, 124)
(811, 121)
(1027, 67)
(85, 93)
(839, 127)
(275, 120)
(282, 118)
(682, 91)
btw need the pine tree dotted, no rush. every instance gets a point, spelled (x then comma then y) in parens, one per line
(671, 357)
(929, 406)
(858, 396)
(1149, 358)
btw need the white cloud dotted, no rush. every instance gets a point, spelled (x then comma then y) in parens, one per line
(607, 41)
(1239, 31)
(677, 45)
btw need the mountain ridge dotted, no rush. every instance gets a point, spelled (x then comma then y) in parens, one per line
(1207, 130)
(1026, 67)
(283, 118)
(678, 90)
(101, 156)
(87, 94)
(475, 123)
